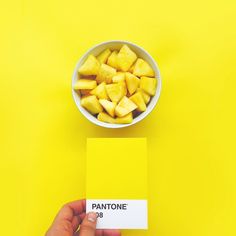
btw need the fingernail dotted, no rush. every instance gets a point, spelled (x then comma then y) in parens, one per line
(92, 217)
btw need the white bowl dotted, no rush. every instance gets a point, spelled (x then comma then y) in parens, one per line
(116, 44)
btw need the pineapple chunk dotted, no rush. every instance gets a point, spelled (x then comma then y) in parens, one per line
(124, 107)
(112, 60)
(142, 68)
(85, 84)
(108, 106)
(90, 66)
(131, 69)
(91, 104)
(146, 97)
(137, 98)
(105, 73)
(100, 91)
(104, 117)
(125, 58)
(132, 82)
(84, 92)
(102, 57)
(120, 76)
(121, 111)
(148, 85)
(125, 119)
(124, 86)
(115, 91)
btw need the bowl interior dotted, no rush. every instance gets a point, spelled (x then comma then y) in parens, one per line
(116, 45)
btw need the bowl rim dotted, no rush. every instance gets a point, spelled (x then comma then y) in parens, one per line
(137, 119)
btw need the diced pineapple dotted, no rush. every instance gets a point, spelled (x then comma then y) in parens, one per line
(125, 119)
(108, 106)
(120, 76)
(91, 104)
(116, 97)
(84, 91)
(85, 84)
(115, 91)
(105, 73)
(131, 69)
(146, 97)
(148, 85)
(104, 117)
(137, 98)
(124, 107)
(121, 111)
(90, 66)
(125, 58)
(102, 57)
(132, 82)
(142, 68)
(112, 60)
(124, 86)
(100, 91)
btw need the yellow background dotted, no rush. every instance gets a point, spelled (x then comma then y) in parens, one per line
(191, 132)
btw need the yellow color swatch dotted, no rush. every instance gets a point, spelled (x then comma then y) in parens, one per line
(116, 168)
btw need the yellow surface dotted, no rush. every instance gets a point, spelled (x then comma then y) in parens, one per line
(191, 133)
(116, 168)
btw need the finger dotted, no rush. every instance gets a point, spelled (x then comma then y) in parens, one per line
(66, 215)
(76, 221)
(69, 210)
(111, 232)
(88, 226)
(74, 208)
(99, 232)
(82, 216)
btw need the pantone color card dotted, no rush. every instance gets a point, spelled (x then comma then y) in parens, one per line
(116, 182)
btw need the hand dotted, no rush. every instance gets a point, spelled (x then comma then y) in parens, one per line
(71, 216)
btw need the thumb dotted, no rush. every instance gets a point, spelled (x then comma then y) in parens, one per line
(88, 226)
